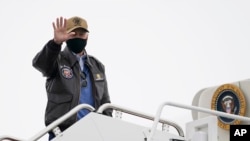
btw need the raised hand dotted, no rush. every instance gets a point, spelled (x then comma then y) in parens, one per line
(60, 31)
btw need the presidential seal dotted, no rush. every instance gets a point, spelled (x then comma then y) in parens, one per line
(230, 99)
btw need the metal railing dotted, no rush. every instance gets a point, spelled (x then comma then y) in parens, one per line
(156, 118)
(52, 126)
(60, 120)
(9, 138)
(140, 114)
(199, 109)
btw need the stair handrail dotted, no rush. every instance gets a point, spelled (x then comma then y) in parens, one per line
(140, 114)
(60, 120)
(10, 138)
(200, 109)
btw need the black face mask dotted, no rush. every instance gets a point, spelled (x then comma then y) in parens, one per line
(76, 45)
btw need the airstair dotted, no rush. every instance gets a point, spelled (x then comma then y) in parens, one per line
(103, 128)
(98, 127)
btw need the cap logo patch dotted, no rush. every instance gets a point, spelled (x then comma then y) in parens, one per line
(77, 21)
(66, 72)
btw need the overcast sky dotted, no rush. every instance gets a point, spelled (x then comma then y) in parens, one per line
(153, 50)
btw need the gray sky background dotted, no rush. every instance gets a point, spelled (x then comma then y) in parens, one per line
(154, 51)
